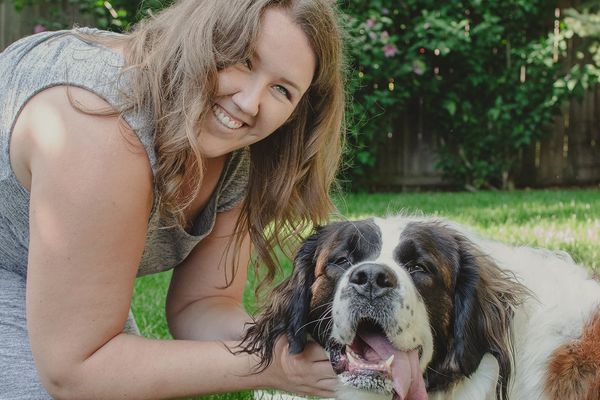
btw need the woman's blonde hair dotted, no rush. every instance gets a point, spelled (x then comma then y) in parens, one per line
(173, 59)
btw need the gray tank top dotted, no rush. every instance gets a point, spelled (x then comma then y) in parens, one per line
(50, 59)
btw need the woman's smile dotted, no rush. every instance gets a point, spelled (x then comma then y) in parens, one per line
(225, 118)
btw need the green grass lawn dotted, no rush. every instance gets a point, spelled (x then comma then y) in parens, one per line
(563, 219)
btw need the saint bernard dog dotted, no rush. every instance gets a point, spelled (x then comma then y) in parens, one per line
(418, 308)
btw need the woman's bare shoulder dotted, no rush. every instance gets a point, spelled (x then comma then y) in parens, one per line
(60, 126)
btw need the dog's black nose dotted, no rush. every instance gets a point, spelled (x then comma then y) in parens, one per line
(373, 280)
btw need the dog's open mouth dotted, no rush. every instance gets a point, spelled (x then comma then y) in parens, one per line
(372, 363)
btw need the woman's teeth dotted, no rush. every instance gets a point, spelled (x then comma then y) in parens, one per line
(225, 119)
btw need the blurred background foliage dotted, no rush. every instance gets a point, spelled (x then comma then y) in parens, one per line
(488, 71)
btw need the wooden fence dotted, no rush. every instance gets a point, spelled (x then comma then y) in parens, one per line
(569, 156)
(15, 25)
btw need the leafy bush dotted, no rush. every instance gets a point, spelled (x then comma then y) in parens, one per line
(487, 74)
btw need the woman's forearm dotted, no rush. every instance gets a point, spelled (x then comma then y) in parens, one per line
(135, 367)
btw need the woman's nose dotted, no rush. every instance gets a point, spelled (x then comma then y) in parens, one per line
(248, 98)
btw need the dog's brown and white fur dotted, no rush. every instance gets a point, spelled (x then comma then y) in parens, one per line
(486, 320)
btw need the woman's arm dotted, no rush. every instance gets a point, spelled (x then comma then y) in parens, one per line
(200, 304)
(200, 307)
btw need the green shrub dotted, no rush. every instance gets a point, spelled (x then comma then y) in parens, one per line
(485, 73)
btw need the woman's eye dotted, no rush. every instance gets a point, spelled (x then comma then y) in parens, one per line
(247, 63)
(282, 90)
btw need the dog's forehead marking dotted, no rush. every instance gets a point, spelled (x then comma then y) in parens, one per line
(391, 228)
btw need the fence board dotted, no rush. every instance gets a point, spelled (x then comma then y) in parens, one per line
(407, 156)
(15, 25)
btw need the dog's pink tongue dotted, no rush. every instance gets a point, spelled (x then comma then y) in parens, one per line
(406, 375)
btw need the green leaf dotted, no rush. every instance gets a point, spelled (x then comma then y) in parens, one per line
(450, 106)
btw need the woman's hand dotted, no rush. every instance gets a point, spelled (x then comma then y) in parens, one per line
(307, 373)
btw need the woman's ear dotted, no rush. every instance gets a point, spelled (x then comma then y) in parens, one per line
(287, 311)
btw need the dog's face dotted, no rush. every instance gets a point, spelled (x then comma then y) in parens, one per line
(366, 306)
(401, 305)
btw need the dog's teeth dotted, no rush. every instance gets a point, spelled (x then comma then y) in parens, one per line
(351, 357)
(388, 362)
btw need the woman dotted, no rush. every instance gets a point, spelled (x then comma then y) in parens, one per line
(173, 146)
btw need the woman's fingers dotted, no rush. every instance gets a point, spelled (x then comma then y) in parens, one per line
(314, 352)
(306, 373)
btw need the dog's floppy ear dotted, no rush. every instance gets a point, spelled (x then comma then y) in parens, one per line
(287, 311)
(485, 300)
(301, 283)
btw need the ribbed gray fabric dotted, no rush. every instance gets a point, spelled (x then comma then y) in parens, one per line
(27, 67)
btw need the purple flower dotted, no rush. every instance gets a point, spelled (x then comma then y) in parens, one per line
(385, 35)
(389, 50)
(372, 35)
(370, 22)
(39, 28)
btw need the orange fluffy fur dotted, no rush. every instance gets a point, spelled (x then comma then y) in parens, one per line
(574, 369)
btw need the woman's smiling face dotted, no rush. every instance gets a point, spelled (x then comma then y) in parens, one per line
(256, 98)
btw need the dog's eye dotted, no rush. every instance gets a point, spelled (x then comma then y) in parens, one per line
(339, 263)
(342, 262)
(416, 269)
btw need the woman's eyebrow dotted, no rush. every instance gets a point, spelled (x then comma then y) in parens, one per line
(294, 85)
(290, 83)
